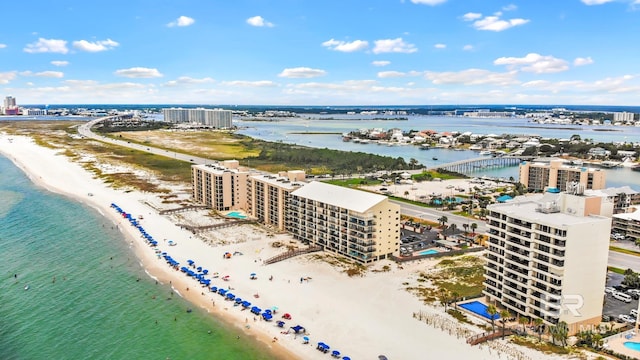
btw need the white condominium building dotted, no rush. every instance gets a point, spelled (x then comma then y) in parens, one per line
(221, 187)
(547, 257)
(215, 118)
(353, 223)
(623, 116)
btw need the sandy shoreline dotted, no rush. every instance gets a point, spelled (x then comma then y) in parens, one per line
(362, 317)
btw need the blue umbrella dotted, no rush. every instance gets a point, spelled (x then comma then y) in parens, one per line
(335, 353)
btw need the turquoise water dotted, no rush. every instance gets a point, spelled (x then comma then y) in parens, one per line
(428, 252)
(478, 308)
(88, 297)
(237, 215)
(632, 345)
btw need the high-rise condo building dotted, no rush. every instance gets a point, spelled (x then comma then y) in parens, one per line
(269, 194)
(357, 224)
(540, 176)
(214, 118)
(547, 256)
(221, 187)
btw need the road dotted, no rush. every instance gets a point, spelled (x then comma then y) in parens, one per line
(616, 259)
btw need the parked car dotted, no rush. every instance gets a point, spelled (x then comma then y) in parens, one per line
(609, 290)
(625, 318)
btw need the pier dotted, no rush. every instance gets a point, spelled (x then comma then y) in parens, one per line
(470, 166)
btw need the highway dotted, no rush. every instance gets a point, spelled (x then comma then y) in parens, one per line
(616, 259)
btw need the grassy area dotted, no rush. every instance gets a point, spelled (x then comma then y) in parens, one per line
(624, 251)
(461, 275)
(545, 347)
(353, 182)
(615, 270)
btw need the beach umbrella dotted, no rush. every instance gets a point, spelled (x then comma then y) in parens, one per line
(306, 339)
(335, 353)
(190, 262)
(274, 308)
(346, 358)
(280, 323)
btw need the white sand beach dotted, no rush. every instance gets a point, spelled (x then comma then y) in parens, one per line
(362, 317)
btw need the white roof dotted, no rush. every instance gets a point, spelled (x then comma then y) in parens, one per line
(351, 199)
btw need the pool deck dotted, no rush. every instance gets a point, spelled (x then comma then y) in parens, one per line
(616, 343)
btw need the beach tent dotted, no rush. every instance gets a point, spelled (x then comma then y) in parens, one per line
(297, 329)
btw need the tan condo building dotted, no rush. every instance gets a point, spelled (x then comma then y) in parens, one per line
(353, 223)
(539, 176)
(268, 196)
(547, 257)
(221, 187)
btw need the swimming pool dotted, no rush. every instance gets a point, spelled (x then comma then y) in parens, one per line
(479, 308)
(632, 345)
(237, 215)
(428, 252)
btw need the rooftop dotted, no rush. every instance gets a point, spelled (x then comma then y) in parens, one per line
(356, 200)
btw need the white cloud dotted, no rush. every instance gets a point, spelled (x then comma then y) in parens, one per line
(492, 23)
(510, 7)
(47, 45)
(301, 72)
(472, 77)
(258, 21)
(471, 16)
(380, 63)
(138, 72)
(6, 77)
(257, 84)
(95, 46)
(344, 46)
(595, 2)
(467, 47)
(428, 2)
(182, 21)
(50, 74)
(2, 46)
(534, 63)
(59, 63)
(393, 46)
(440, 46)
(186, 80)
(390, 74)
(580, 61)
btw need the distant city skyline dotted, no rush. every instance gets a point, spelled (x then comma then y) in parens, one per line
(379, 52)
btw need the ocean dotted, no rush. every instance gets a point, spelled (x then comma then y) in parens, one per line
(70, 288)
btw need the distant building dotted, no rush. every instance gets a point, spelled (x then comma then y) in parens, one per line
(33, 112)
(9, 106)
(623, 116)
(215, 118)
(357, 224)
(547, 257)
(627, 224)
(539, 176)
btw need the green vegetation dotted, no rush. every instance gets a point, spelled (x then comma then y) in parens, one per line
(625, 251)
(353, 182)
(544, 347)
(461, 276)
(615, 270)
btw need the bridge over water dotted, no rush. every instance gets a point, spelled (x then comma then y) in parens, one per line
(469, 166)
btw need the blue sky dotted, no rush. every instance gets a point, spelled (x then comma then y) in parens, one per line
(321, 52)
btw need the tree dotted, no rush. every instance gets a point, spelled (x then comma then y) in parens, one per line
(455, 296)
(474, 226)
(492, 311)
(443, 220)
(562, 332)
(539, 322)
(466, 228)
(406, 193)
(504, 315)
(596, 340)
(453, 228)
(637, 242)
(523, 320)
(413, 163)
(444, 298)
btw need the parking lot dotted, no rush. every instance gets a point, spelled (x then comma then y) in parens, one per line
(612, 306)
(411, 241)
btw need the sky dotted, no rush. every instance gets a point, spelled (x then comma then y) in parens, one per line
(321, 52)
